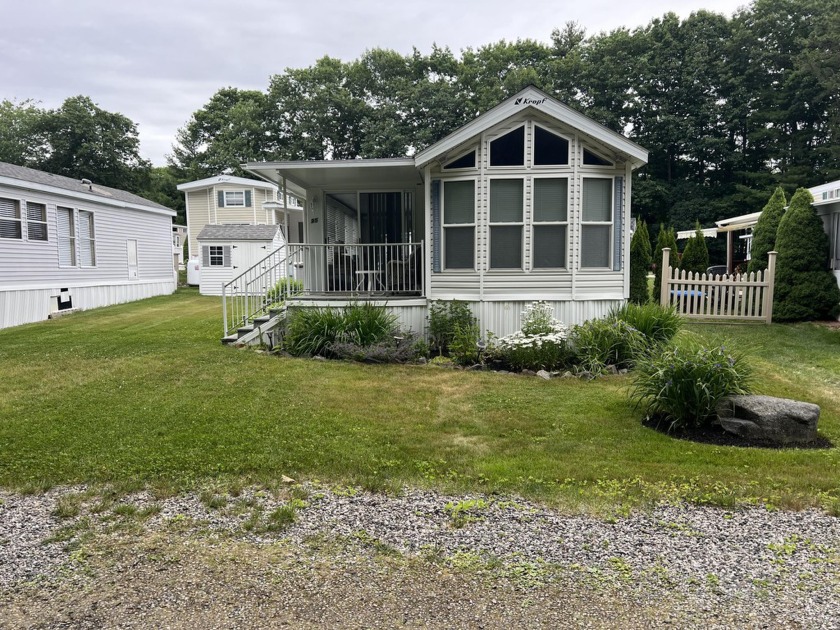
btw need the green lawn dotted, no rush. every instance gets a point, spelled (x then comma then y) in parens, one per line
(144, 394)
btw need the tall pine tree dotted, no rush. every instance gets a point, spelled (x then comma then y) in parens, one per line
(640, 259)
(695, 258)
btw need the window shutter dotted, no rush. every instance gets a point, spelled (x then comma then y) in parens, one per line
(221, 198)
(226, 256)
(619, 212)
(435, 203)
(247, 198)
(205, 256)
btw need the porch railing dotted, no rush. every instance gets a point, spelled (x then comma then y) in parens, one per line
(736, 297)
(339, 271)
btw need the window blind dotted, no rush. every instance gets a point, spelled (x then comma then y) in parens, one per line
(551, 197)
(506, 200)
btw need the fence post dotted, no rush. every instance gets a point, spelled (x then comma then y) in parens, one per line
(770, 278)
(665, 270)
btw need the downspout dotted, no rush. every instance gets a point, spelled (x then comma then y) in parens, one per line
(574, 220)
(427, 214)
(480, 204)
(285, 214)
(628, 214)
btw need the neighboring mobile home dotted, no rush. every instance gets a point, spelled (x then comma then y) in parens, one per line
(827, 205)
(226, 199)
(529, 201)
(67, 244)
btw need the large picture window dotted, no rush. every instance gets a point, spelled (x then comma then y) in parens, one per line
(459, 224)
(66, 237)
(36, 221)
(506, 201)
(596, 223)
(87, 239)
(10, 223)
(550, 222)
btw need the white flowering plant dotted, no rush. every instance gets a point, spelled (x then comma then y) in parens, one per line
(541, 344)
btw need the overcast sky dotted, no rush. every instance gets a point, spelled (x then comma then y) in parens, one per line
(157, 61)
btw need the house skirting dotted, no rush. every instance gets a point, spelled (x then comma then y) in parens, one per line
(24, 306)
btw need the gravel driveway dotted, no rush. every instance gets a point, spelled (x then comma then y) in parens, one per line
(307, 556)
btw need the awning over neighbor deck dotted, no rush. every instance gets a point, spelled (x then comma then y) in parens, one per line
(340, 174)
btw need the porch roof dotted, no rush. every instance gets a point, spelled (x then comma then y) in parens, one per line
(338, 174)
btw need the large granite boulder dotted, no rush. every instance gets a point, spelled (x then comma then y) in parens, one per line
(769, 419)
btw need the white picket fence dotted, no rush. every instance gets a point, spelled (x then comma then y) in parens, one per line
(735, 297)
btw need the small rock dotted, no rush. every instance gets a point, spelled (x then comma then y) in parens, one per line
(567, 374)
(612, 369)
(318, 357)
(544, 375)
(528, 373)
(286, 479)
(586, 376)
(623, 371)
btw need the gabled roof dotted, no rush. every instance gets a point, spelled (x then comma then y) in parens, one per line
(538, 100)
(21, 176)
(217, 180)
(238, 232)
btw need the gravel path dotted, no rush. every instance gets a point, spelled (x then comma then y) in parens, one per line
(683, 565)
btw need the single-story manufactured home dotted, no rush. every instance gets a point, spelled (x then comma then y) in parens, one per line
(67, 244)
(529, 201)
(827, 205)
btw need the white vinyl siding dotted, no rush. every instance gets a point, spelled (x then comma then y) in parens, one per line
(506, 221)
(36, 222)
(550, 222)
(66, 237)
(459, 224)
(10, 222)
(596, 223)
(87, 239)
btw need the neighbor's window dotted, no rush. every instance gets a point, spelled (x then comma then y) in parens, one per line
(87, 239)
(550, 223)
(506, 201)
(66, 237)
(549, 148)
(10, 224)
(234, 199)
(509, 149)
(36, 221)
(596, 223)
(459, 224)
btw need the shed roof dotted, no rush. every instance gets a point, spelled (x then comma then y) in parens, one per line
(217, 180)
(48, 182)
(238, 232)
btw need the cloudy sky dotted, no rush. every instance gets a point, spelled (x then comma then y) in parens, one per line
(157, 61)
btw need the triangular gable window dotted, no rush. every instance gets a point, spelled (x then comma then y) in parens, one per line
(592, 159)
(509, 149)
(549, 148)
(465, 161)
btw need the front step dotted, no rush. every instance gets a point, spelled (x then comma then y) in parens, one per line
(254, 334)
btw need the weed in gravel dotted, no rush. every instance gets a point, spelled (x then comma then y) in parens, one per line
(126, 510)
(68, 506)
(39, 486)
(466, 511)
(212, 500)
(376, 544)
(280, 518)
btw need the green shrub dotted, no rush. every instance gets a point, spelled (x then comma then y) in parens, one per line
(764, 233)
(312, 331)
(540, 345)
(601, 342)
(695, 258)
(682, 384)
(444, 319)
(463, 348)
(805, 288)
(640, 259)
(657, 323)
(285, 287)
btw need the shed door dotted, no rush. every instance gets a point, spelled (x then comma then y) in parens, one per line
(131, 250)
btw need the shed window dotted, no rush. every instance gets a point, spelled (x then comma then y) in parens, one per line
(459, 224)
(10, 224)
(66, 237)
(596, 224)
(217, 256)
(87, 239)
(465, 161)
(506, 202)
(549, 148)
(36, 221)
(593, 159)
(551, 198)
(509, 149)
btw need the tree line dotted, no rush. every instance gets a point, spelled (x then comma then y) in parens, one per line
(729, 107)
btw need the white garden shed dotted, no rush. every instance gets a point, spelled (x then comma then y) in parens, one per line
(228, 250)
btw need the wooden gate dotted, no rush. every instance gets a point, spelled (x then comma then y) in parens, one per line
(733, 297)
